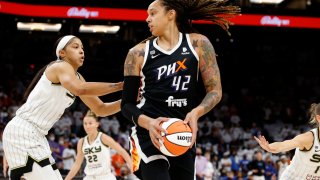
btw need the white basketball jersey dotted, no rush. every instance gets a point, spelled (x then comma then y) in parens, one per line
(45, 104)
(305, 164)
(98, 158)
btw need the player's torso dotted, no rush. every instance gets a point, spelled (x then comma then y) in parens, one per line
(169, 79)
(97, 157)
(305, 164)
(45, 104)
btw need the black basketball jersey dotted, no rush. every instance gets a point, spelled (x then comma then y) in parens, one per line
(169, 79)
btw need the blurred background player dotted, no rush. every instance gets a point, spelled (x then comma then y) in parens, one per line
(95, 148)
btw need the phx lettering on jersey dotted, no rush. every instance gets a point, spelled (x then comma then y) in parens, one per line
(171, 69)
(179, 83)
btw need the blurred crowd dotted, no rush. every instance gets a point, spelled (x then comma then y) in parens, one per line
(268, 86)
(225, 145)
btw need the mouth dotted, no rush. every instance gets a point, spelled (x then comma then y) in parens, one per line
(150, 27)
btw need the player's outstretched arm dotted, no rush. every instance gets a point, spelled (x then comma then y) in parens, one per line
(100, 108)
(116, 146)
(77, 164)
(64, 74)
(302, 141)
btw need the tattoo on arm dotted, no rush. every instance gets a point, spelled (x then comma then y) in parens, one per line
(210, 74)
(131, 62)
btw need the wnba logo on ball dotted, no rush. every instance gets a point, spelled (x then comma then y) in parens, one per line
(183, 138)
(177, 140)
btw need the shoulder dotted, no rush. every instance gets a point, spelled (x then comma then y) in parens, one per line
(58, 67)
(197, 36)
(200, 42)
(104, 138)
(138, 49)
(80, 141)
(305, 138)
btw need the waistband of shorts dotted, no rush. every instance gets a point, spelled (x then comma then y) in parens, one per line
(101, 175)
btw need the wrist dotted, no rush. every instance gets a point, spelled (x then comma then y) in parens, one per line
(144, 121)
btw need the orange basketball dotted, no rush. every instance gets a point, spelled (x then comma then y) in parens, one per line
(178, 138)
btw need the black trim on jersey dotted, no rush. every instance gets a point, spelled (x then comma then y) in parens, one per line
(305, 149)
(103, 142)
(70, 95)
(54, 166)
(83, 139)
(16, 174)
(57, 84)
(318, 134)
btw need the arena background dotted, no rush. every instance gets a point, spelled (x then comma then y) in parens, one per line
(260, 65)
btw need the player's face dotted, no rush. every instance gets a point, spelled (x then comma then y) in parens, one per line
(74, 52)
(157, 18)
(90, 124)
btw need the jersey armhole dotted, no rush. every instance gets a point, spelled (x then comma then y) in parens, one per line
(102, 141)
(83, 139)
(305, 149)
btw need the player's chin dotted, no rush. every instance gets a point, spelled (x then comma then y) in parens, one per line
(154, 33)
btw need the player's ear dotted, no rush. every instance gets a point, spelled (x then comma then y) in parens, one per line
(171, 14)
(62, 53)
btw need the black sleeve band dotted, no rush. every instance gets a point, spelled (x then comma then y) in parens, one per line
(129, 98)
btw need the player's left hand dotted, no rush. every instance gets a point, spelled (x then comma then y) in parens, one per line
(192, 120)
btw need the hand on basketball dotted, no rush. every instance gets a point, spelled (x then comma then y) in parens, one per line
(155, 131)
(192, 120)
(264, 143)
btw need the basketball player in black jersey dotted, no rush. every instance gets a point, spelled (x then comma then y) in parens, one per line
(165, 69)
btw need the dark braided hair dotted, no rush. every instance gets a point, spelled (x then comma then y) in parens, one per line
(211, 10)
(314, 111)
(215, 11)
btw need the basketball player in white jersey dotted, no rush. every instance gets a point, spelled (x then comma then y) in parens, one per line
(305, 163)
(95, 148)
(54, 89)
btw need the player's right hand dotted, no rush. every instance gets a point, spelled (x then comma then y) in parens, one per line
(155, 130)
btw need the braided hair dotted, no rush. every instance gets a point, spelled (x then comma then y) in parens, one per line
(215, 11)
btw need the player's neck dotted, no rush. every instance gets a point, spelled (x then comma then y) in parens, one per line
(169, 39)
(92, 136)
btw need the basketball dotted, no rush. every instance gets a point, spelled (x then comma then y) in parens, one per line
(178, 138)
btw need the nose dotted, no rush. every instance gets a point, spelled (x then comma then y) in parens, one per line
(148, 19)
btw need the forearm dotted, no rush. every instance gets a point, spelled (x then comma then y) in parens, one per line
(278, 147)
(74, 170)
(209, 101)
(126, 156)
(98, 88)
(144, 121)
(107, 109)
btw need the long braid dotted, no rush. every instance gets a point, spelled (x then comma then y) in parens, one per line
(215, 11)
